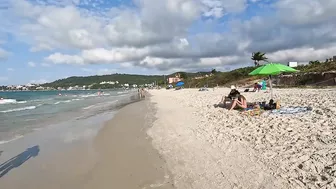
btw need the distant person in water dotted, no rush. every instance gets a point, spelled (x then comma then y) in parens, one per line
(100, 93)
(142, 93)
(139, 92)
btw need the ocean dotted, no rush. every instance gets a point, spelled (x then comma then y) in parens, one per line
(25, 112)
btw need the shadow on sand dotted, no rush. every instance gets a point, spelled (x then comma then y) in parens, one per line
(18, 160)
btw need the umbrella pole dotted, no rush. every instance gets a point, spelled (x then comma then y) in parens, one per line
(270, 81)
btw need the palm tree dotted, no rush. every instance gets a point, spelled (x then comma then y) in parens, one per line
(257, 57)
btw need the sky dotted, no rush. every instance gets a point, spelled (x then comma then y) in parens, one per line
(45, 40)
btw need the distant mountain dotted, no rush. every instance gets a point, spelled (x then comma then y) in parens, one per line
(95, 80)
(121, 78)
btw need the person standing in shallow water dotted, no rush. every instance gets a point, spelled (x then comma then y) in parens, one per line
(139, 92)
(142, 93)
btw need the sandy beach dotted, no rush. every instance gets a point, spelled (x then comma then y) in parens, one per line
(178, 139)
(208, 147)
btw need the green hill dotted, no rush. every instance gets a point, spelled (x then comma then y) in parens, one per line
(95, 80)
(121, 78)
(240, 76)
(237, 76)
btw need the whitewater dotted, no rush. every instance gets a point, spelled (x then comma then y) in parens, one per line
(23, 112)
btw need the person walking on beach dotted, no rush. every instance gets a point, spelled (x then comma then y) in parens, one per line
(142, 92)
(139, 92)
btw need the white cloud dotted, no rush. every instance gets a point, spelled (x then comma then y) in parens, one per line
(31, 64)
(3, 54)
(10, 69)
(59, 58)
(303, 54)
(99, 56)
(38, 81)
(187, 64)
(302, 12)
(161, 34)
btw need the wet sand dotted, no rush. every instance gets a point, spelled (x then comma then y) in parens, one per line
(127, 157)
(120, 156)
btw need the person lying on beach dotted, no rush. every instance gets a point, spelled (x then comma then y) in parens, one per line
(239, 102)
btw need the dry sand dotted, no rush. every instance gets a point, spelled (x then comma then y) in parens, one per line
(208, 147)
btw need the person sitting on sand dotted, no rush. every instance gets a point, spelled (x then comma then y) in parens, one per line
(233, 94)
(239, 102)
(257, 87)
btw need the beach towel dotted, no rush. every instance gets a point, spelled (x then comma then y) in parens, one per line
(252, 111)
(292, 110)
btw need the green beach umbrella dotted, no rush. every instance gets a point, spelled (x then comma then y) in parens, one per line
(272, 69)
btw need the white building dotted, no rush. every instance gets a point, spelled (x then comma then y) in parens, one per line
(292, 64)
(107, 82)
(39, 88)
(30, 85)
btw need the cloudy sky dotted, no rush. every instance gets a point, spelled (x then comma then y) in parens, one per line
(44, 40)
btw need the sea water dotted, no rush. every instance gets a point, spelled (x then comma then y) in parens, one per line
(25, 112)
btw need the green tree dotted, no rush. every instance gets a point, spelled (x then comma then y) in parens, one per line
(214, 71)
(314, 62)
(183, 75)
(257, 57)
(161, 82)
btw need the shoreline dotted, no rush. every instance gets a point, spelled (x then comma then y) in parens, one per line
(126, 157)
(20, 119)
(177, 139)
(74, 160)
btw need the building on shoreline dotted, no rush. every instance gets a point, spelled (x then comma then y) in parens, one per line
(175, 79)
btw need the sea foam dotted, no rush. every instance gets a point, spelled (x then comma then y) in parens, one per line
(19, 109)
